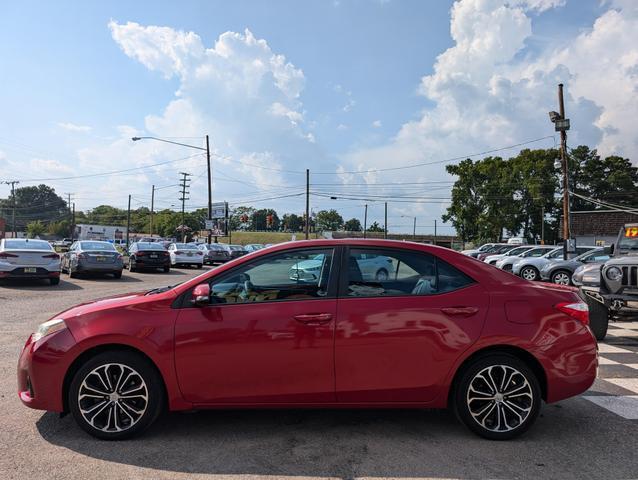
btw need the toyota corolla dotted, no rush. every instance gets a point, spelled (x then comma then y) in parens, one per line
(439, 330)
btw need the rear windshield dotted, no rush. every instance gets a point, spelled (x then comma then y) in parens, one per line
(186, 246)
(236, 247)
(150, 246)
(25, 244)
(96, 246)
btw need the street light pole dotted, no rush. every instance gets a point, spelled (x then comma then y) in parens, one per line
(414, 230)
(365, 221)
(307, 203)
(210, 190)
(152, 207)
(563, 158)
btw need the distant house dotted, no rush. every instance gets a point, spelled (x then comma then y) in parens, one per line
(598, 227)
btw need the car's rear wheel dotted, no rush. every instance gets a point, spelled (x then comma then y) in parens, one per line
(497, 397)
(199, 265)
(167, 269)
(598, 318)
(131, 265)
(72, 272)
(561, 277)
(54, 280)
(117, 274)
(529, 273)
(116, 395)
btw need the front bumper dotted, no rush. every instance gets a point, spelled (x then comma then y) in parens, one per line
(619, 303)
(41, 370)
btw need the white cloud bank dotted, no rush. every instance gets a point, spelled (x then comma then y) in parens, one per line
(72, 127)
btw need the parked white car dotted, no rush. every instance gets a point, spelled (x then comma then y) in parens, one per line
(28, 258)
(507, 263)
(186, 254)
(492, 259)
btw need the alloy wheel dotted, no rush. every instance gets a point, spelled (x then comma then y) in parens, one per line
(528, 273)
(381, 276)
(500, 398)
(113, 397)
(561, 278)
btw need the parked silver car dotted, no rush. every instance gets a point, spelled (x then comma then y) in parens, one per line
(514, 252)
(373, 268)
(508, 262)
(92, 256)
(26, 258)
(530, 268)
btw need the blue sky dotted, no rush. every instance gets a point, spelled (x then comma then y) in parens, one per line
(78, 79)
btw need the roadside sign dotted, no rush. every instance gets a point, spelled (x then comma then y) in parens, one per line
(209, 224)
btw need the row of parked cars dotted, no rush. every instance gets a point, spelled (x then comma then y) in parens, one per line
(539, 262)
(37, 259)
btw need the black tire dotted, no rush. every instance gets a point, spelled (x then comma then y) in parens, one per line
(523, 380)
(529, 273)
(117, 274)
(598, 318)
(131, 265)
(199, 265)
(558, 275)
(381, 275)
(119, 361)
(54, 280)
(72, 273)
(167, 269)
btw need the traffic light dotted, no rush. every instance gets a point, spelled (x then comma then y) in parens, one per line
(269, 220)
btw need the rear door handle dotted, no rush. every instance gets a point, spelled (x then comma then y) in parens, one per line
(460, 311)
(313, 318)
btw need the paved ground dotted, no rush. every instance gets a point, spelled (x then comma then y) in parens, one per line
(592, 436)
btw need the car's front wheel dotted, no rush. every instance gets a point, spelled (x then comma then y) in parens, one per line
(529, 273)
(116, 395)
(561, 277)
(498, 397)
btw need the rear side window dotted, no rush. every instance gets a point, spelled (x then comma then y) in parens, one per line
(379, 273)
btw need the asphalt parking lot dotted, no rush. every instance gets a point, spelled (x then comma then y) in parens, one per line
(591, 436)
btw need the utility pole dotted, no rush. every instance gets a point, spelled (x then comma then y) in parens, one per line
(385, 222)
(365, 221)
(563, 158)
(543, 225)
(73, 223)
(13, 197)
(414, 230)
(68, 205)
(150, 232)
(210, 189)
(128, 222)
(184, 183)
(434, 232)
(307, 203)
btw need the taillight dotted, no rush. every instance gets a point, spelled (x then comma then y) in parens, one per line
(177, 252)
(577, 310)
(82, 256)
(140, 254)
(52, 255)
(7, 255)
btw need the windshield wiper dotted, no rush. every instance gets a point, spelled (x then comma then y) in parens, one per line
(161, 289)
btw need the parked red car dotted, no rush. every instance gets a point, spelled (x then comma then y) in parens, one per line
(303, 324)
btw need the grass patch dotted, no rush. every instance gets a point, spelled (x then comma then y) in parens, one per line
(245, 238)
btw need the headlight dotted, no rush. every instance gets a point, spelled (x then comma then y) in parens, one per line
(614, 274)
(47, 328)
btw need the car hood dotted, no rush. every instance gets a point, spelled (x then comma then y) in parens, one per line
(306, 264)
(536, 261)
(107, 303)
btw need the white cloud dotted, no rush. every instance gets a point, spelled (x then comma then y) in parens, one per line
(72, 127)
(342, 127)
(48, 166)
(377, 124)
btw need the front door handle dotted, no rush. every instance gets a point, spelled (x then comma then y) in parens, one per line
(460, 311)
(313, 318)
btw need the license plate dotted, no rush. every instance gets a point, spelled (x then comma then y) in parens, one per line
(101, 259)
(30, 269)
(190, 254)
(153, 256)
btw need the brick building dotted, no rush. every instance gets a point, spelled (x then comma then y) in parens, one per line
(598, 227)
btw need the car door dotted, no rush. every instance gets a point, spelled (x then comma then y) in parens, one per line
(396, 339)
(266, 337)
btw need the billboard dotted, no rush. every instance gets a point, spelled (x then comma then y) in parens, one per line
(218, 226)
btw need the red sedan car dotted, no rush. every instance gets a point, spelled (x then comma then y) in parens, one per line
(311, 324)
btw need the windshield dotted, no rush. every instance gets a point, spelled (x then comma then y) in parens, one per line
(629, 240)
(149, 246)
(587, 255)
(19, 244)
(518, 251)
(186, 246)
(554, 253)
(96, 246)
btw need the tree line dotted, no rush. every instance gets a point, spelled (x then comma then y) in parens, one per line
(519, 194)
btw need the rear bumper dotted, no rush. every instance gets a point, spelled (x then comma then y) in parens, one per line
(100, 267)
(20, 272)
(186, 260)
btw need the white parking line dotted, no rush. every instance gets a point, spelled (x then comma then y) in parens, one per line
(624, 406)
(604, 348)
(626, 383)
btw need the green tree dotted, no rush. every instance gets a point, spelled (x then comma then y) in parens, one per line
(375, 227)
(352, 225)
(292, 222)
(59, 229)
(329, 220)
(35, 229)
(34, 203)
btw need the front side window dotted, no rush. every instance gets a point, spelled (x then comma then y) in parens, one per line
(377, 273)
(295, 275)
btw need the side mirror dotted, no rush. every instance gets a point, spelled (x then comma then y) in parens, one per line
(609, 249)
(200, 297)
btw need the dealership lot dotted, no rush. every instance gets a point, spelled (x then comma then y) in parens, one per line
(592, 436)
